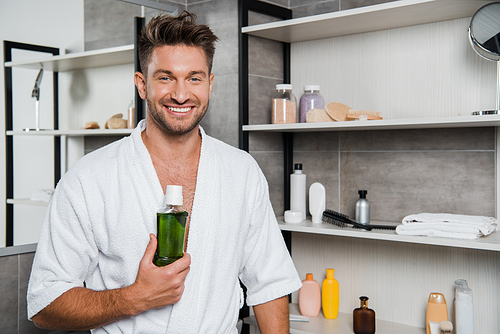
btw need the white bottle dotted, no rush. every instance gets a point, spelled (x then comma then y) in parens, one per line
(464, 308)
(298, 190)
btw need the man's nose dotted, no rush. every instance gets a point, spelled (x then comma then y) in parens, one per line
(180, 93)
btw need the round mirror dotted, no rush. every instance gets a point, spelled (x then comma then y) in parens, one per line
(484, 36)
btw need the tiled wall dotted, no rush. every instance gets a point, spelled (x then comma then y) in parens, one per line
(14, 276)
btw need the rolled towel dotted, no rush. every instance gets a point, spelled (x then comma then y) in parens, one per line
(447, 225)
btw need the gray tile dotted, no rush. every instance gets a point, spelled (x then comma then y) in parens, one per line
(272, 167)
(349, 4)
(260, 99)
(222, 17)
(316, 141)
(322, 167)
(425, 139)
(255, 18)
(221, 119)
(405, 183)
(265, 141)
(282, 3)
(9, 291)
(109, 21)
(314, 7)
(265, 57)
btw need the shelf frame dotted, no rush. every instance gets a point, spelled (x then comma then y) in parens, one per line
(8, 46)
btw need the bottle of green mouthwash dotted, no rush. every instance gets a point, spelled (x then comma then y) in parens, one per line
(171, 222)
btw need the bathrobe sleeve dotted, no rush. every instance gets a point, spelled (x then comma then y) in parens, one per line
(66, 250)
(268, 271)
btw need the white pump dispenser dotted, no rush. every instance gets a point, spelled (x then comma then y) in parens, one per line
(464, 308)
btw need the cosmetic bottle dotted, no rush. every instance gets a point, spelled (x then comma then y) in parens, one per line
(298, 190)
(363, 318)
(317, 202)
(362, 209)
(464, 308)
(330, 295)
(171, 228)
(131, 115)
(311, 99)
(284, 105)
(309, 297)
(437, 311)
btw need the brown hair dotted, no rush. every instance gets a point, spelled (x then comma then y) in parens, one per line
(175, 30)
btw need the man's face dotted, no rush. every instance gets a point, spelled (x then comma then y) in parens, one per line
(178, 87)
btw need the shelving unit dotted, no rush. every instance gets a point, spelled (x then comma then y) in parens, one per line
(490, 242)
(386, 124)
(341, 325)
(60, 63)
(81, 60)
(397, 14)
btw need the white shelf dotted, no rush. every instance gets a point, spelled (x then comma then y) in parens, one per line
(390, 15)
(341, 325)
(490, 242)
(82, 60)
(384, 124)
(26, 201)
(72, 133)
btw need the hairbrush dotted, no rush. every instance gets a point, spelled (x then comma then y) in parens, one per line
(342, 220)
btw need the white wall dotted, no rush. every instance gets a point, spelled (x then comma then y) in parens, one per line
(54, 23)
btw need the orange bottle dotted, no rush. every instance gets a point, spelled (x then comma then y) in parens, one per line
(309, 297)
(436, 311)
(330, 295)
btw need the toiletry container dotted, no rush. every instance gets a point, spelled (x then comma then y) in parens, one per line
(131, 115)
(317, 201)
(298, 190)
(310, 99)
(309, 297)
(171, 228)
(284, 105)
(330, 295)
(437, 311)
(363, 318)
(362, 209)
(464, 308)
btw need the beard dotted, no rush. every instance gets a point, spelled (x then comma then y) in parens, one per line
(177, 128)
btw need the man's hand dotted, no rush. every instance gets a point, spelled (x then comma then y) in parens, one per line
(84, 309)
(156, 287)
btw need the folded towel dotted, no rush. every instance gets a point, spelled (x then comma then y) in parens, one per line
(42, 195)
(447, 225)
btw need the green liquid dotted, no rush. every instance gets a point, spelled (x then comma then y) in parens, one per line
(171, 231)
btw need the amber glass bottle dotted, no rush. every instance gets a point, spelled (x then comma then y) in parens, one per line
(363, 318)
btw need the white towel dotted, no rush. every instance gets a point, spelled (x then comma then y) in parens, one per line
(447, 225)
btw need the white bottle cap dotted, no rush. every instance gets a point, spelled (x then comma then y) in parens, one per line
(284, 87)
(173, 195)
(311, 87)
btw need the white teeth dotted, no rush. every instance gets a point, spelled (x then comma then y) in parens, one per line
(185, 109)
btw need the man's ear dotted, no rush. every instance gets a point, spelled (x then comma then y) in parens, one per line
(140, 83)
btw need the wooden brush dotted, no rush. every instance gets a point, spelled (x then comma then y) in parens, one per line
(337, 111)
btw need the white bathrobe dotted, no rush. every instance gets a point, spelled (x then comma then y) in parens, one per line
(98, 222)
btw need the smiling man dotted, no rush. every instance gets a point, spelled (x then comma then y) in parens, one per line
(93, 266)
